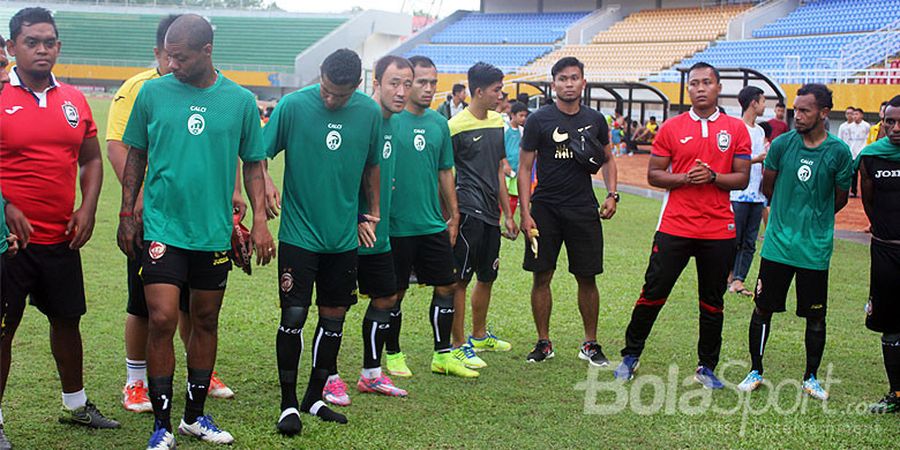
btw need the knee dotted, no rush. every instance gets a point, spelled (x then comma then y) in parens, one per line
(162, 323)
(589, 282)
(293, 318)
(815, 323)
(761, 315)
(542, 279)
(443, 291)
(890, 339)
(385, 303)
(205, 323)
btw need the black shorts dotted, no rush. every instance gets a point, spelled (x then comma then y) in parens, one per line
(50, 275)
(774, 281)
(579, 228)
(334, 275)
(376, 275)
(203, 270)
(137, 303)
(432, 256)
(883, 310)
(477, 249)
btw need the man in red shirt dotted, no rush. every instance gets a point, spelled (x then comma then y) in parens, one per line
(699, 157)
(47, 136)
(779, 126)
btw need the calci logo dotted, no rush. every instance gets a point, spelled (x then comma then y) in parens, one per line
(333, 139)
(71, 114)
(419, 140)
(386, 151)
(804, 173)
(196, 123)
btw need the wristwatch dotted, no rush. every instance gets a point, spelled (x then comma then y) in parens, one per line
(613, 195)
(712, 176)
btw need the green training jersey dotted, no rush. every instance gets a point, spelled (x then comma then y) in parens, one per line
(801, 224)
(383, 228)
(193, 138)
(325, 153)
(423, 148)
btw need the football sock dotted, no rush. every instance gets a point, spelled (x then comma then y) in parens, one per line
(392, 337)
(197, 388)
(288, 347)
(815, 345)
(137, 371)
(312, 401)
(441, 316)
(890, 348)
(161, 398)
(74, 400)
(375, 328)
(760, 328)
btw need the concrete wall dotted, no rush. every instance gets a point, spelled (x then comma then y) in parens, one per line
(569, 5)
(505, 6)
(585, 29)
(742, 26)
(360, 34)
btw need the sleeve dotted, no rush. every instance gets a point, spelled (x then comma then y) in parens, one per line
(773, 157)
(273, 133)
(661, 144)
(119, 110)
(372, 159)
(445, 159)
(844, 168)
(136, 130)
(743, 145)
(531, 138)
(603, 128)
(842, 133)
(87, 116)
(251, 148)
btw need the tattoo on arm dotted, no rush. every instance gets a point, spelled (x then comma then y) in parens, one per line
(133, 177)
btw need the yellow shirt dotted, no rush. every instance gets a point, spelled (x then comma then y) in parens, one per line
(123, 101)
(652, 126)
(873, 133)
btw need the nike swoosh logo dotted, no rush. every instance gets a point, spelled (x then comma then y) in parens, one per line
(559, 137)
(685, 140)
(591, 159)
(476, 139)
(585, 128)
(14, 109)
(118, 98)
(82, 419)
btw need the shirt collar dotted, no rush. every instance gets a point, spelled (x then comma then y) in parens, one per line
(15, 81)
(711, 118)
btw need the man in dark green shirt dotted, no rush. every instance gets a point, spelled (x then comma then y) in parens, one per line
(330, 134)
(187, 215)
(806, 175)
(420, 236)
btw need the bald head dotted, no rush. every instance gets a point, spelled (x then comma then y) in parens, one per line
(190, 30)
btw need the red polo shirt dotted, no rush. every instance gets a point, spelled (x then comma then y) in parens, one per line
(40, 138)
(700, 211)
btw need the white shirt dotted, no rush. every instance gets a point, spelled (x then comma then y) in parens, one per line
(456, 109)
(854, 135)
(752, 194)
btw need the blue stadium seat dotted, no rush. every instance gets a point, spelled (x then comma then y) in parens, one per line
(518, 28)
(833, 16)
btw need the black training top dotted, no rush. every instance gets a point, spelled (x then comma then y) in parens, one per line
(885, 214)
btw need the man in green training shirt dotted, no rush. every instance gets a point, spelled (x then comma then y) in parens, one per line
(420, 237)
(187, 130)
(330, 134)
(806, 174)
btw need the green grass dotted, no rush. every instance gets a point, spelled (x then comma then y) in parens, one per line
(513, 404)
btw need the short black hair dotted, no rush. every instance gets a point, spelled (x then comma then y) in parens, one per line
(766, 127)
(30, 16)
(568, 61)
(457, 88)
(162, 28)
(522, 98)
(748, 95)
(852, 108)
(390, 60)
(859, 110)
(421, 61)
(704, 65)
(820, 92)
(780, 104)
(342, 67)
(653, 118)
(894, 102)
(482, 75)
(517, 107)
(2, 43)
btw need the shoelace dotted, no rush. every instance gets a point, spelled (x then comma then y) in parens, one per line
(207, 422)
(591, 348)
(468, 351)
(157, 437)
(383, 380)
(337, 388)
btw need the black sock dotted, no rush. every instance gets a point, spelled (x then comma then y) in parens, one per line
(312, 401)
(441, 316)
(288, 347)
(160, 392)
(815, 345)
(891, 351)
(760, 329)
(375, 327)
(197, 388)
(392, 338)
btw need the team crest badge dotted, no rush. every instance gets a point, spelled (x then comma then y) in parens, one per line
(157, 250)
(419, 142)
(723, 140)
(196, 124)
(388, 148)
(287, 282)
(71, 114)
(333, 140)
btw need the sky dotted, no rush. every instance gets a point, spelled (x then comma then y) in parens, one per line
(444, 7)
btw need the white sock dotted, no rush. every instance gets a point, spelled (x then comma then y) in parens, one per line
(74, 400)
(137, 371)
(1, 416)
(333, 378)
(371, 373)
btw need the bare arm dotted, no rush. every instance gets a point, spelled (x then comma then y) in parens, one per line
(117, 152)
(372, 180)
(132, 179)
(90, 164)
(658, 174)
(237, 198)
(840, 199)
(254, 183)
(737, 179)
(611, 178)
(512, 230)
(768, 183)
(868, 190)
(448, 194)
(526, 162)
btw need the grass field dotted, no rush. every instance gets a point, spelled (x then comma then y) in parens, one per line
(512, 404)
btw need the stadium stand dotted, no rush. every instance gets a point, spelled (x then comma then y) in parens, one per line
(237, 39)
(646, 42)
(475, 36)
(806, 45)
